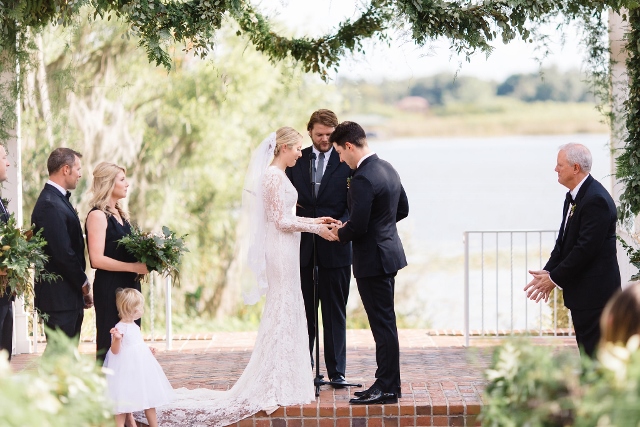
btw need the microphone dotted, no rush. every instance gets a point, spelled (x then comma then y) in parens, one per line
(312, 172)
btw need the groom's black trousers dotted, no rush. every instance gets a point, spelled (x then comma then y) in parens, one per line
(377, 294)
(333, 293)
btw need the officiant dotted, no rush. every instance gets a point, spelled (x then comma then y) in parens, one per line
(325, 197)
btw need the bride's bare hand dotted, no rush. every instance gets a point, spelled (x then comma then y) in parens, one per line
(326, 233)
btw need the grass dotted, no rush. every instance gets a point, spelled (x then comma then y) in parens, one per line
(495, 117)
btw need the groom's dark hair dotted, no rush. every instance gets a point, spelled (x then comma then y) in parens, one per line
(349, 132)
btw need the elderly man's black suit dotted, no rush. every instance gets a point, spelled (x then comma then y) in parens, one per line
(333, 258)
(377, 201)
(584, 263)
(60, 300)
(6, 304)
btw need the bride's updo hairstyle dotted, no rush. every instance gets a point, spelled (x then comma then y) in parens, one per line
(128, 301)
(286, 136)
(104, 179)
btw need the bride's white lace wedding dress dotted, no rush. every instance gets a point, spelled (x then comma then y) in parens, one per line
(279, 372)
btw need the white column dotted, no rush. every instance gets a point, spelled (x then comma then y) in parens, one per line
(619, 94)
(12, 190)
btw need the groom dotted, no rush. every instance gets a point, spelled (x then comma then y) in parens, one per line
(376, 202)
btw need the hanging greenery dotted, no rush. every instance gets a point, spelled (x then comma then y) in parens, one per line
(628, 163)
(157, 24)
(470, 26)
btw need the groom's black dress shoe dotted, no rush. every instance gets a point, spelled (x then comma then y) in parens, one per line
(366, 392)
(338, 381)
(375, 396)
(361, 393)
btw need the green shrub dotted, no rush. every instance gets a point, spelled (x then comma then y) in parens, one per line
(63, 388)
(534, 386)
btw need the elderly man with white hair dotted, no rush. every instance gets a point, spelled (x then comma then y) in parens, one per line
(583, 262)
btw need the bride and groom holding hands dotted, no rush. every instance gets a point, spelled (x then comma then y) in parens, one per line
(279, 372)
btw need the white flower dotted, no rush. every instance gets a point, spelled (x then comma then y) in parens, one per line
(615, 358)
(633, 343)
(42, 398)
(5, 368)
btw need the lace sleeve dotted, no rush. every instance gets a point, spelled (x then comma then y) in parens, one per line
(276, 209)
(305, 219)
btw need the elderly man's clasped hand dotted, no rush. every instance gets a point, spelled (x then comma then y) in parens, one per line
(540, 287)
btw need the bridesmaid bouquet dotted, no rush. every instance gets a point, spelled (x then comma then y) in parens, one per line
(23, 259)
(161, 252)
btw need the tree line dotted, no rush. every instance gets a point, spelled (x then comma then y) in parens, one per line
(549, 84)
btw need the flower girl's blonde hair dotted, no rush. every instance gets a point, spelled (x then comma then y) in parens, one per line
(128, 301)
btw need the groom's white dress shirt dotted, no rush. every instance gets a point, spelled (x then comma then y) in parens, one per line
(365, 157)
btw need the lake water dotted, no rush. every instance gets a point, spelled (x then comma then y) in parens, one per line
(460, 184)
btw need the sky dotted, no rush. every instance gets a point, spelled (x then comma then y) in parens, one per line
(406, 60)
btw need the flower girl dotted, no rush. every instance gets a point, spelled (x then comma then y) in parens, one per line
(136, 381)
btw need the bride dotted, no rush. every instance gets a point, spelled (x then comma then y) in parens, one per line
(279, 372)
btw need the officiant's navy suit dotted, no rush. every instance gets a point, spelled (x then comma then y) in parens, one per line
(584, 262)
(62, 299)
(377, 201)
(333, 258)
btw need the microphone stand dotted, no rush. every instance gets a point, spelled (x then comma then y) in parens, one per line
(318, 380)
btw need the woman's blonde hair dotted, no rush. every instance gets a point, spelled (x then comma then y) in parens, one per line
(286, 136)
(128, 301)
(104, 180)
(620, 319)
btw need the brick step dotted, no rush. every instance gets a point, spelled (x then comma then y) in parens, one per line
(431, 404)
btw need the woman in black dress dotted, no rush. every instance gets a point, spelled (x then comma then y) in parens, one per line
(115, 268)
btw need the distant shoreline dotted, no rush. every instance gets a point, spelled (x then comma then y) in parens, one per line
(513, 118)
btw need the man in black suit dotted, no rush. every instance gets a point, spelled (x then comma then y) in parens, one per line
(6, 300)
(583, 262)
(62, 301)
(328, 197)
(377, 201)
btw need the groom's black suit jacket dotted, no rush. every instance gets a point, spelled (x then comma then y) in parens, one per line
(331, 201)
(377, 201)
(54, 214)
(583, 262)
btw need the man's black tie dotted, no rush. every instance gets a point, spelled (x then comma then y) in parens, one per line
(67, 195)
(570, 199)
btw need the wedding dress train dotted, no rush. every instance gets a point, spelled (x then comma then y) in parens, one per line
(279, 372)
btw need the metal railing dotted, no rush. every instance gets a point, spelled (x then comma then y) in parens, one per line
(497, 264)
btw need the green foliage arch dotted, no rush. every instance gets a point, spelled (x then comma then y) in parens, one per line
(469, 25)
(157, 23)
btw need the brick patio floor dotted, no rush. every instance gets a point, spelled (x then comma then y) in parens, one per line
(442, 382)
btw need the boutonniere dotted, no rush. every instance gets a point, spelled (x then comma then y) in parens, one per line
(77, 213)
(348, 182)
(573, 208)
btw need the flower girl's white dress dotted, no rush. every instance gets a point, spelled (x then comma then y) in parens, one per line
(137, 381)
(279, 372)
